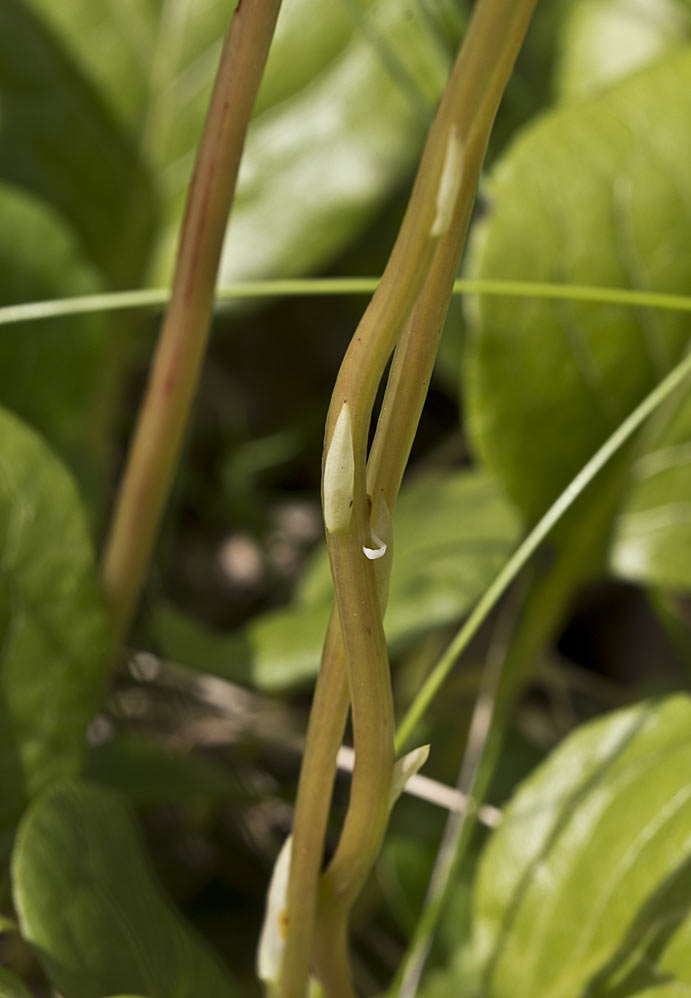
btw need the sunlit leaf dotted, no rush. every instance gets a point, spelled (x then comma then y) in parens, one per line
(585, 888)
(317, 164)
(652, 534)
(54, 642)
(606, 191)
(321, 153)
(603, 41)
(88, 903)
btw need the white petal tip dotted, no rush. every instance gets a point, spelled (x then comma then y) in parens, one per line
(404, 768)
(339, 474)
(272, 939)
(449, 185)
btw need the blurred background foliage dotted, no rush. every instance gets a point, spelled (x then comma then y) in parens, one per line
(101, 107)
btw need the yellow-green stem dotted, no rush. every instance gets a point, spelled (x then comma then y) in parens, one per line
(174, 374)
(465, 117)
(463, 122)
(324, 734)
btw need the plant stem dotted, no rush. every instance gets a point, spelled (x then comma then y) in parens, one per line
(324, 735)
(175, 369)
(425, 256)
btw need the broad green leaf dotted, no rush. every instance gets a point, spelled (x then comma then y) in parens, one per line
(587, 882)
(11, 986)
(54, 641)
(59, 141)
(603, 41)
(602, 188)
(452, 533)
(56, 375)
(147, 772)
(88, 902)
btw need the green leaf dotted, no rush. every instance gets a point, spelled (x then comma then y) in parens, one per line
(88, 903)
(452, 533)
(276, 651)
(11, 986)
(586, 884)
(652, 534)
(603, 189)
(147, 772)
(321, 153)
(55, 375)
(317, 165)
(60, 141)
(603, 41)
(7, 924)
(54, 640)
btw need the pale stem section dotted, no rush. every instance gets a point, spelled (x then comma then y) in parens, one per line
(426, 250)
(175, 368)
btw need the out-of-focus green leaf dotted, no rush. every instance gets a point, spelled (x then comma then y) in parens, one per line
(147, 772)
(603, 41)
(452, 533)
(88, 903)
(11, 986)
(652, 534)
(317, 165)
(59, 140)
(55, 375)
(603, 189)
(54, 641)
(585, 888)
(274, 652)
(321, 153)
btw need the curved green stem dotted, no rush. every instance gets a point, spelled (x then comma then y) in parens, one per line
(441, 200)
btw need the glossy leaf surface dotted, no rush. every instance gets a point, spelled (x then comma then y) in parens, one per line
(606, 190)
(585, 889)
